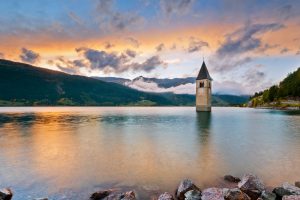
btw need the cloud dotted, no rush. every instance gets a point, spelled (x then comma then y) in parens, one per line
(160, 47)
(114, 62)
(130, 53)
(285, 11)
(284, 50)
(1, 55)
(29, 56)
(176, 7)
(108, 45)
(251, 81)
(267, 47)
(238, 45)
(228, 87)
(244, 40)
(253, 76)
(150, 86)
(109, 19)
(134, 42)
(150, 64)
(75, 18)
(196, 45)
(173, 47)
(68, 66)
(255, 80)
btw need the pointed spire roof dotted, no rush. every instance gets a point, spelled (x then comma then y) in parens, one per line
(203, 73)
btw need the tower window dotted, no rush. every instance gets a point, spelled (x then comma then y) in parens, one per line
(201, 84)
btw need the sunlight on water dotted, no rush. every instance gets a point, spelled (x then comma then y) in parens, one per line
(49, 151)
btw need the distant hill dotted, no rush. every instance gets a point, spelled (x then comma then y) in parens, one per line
(26, 85)
(121, 81)
(22, 84)
(287, 90)
(229, 100)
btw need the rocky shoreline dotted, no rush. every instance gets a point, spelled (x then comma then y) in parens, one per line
(249, 187)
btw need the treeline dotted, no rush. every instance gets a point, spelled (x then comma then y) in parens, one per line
(289, 88)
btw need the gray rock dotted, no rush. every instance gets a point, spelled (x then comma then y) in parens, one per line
(130, 195)
(297, 184)
(165, 196)
(291, 197)
(251, 185)
(193, 195)
(236, 194)
(293, 189)
(232, 179)
(265, 195)
(185, 186)
(6, 194)
(213, 194)
(100, 195)
(280, 192)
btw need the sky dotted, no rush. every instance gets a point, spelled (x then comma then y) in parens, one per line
(247, 45)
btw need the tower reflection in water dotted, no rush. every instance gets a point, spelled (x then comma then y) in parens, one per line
(203, 123)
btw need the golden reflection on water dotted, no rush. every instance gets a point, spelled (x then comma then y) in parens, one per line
(84, 147)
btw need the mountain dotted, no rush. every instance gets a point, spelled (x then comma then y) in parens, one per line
(121, 81)
(163, 83)
(228, 100)
(23, 84)
(288, 90)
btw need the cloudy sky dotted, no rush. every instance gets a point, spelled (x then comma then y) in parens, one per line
(248, 45)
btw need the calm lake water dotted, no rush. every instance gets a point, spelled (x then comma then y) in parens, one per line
(69, 152)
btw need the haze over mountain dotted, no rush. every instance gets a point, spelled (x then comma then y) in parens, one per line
(175, 85)
(23, 84)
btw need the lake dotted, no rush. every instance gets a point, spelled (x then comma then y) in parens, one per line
(69, 152)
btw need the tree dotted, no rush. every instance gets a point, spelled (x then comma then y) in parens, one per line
(273, 93)
(266, 96)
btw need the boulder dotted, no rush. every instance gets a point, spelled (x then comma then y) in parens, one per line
(291, 197)
(130, 195)
(291, 188)
(232, 179)
(265, 195)
(165, 196)
(297, 184)
(213, 194)
(193, 195)
(280, 192)
(100, 195)
(236, 194)
(6, 194)
(252, 186)
(185, 186)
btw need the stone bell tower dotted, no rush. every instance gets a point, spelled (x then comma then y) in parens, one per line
(203, 90)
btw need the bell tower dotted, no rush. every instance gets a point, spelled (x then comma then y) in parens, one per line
(203, 90)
